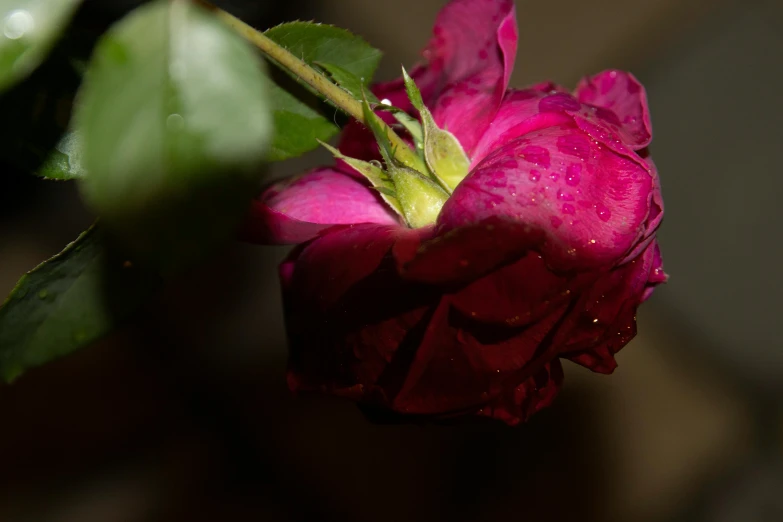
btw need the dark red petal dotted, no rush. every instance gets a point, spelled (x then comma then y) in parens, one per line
(604, 320)
(330, 265)
(657, 275)
(518, 294)
(462, 364)
(465, 253)
(347, 311)
(531, 396)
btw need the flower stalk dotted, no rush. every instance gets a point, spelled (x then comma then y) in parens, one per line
(337, 96)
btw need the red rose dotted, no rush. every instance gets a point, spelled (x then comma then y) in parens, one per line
(543, 252)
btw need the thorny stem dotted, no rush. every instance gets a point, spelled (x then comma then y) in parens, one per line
(333, 93)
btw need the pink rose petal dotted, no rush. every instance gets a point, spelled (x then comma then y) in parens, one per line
(621, 104)
(600, 198)
(296, 210)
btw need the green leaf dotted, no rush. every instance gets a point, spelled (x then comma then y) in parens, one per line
(29, 30)
(36, 113)
(298, 125)
(65, 161)
(348, 81)
(71, 300)
(175, 125)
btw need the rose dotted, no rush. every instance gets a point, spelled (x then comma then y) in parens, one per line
(543, 252)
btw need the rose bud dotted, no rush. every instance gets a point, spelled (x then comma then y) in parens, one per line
(526, 237)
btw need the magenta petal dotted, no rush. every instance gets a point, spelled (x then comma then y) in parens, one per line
(591, 202)
(296, 210)
(621, 103)
(470, 35)
(477, 45)
(519, 114)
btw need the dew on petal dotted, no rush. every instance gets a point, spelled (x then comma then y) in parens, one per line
(535, 175)
(603, 212)
(574, 145)
(573, 174)
(537, 155)
(564, 196)
(568, 208)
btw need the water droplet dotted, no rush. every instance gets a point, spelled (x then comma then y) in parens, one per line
(603, 212)
(43, 294)
(175, 122)
(564, 196)
(18, 23)
(573, 174)
(595, 320)
(535, 175)
(386, 101)
(568, 208)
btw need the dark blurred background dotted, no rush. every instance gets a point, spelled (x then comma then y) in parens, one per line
(184, 415)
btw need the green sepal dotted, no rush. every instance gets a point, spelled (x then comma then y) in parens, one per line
(401, 155)
(413, 127)
(420, 197)
(443, 153)
(375, 174)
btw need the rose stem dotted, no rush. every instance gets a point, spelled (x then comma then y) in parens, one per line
(285, 59)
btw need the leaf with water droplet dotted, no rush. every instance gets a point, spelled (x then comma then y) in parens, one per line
(67, 302)
(28, 30)
(174, 124)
